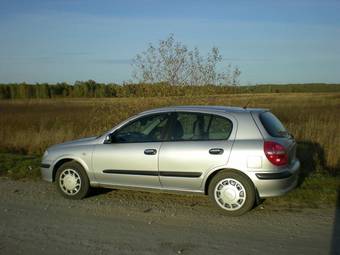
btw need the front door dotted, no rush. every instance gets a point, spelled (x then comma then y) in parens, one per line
(130, 156)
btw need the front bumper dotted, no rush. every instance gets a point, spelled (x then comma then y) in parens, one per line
(46, 172)
(277, 184)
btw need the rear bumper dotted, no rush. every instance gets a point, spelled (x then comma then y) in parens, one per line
(46, 172)
(277, 184)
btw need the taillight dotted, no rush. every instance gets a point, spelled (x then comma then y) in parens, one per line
(276, 153)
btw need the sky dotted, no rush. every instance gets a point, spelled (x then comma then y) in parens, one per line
(290, 41)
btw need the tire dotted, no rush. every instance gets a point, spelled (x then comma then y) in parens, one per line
(72, 181)
(232, 192)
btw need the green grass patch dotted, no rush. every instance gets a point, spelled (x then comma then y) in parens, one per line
(18, 166)
(316, 191)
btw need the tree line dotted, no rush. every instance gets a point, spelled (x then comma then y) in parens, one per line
(92, 89)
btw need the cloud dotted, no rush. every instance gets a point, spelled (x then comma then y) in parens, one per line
(75, 53)
(247, 59)
(114, 61)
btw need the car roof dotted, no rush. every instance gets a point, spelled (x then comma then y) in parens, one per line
(205, 108)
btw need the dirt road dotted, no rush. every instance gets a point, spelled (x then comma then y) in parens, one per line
(35, 219)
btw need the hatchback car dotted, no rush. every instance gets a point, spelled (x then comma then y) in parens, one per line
(234, 155)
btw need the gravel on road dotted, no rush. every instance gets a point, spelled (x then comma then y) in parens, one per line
(35, 219)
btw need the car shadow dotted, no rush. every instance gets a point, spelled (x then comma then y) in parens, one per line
(335, 249)
(98, 191)
(312, 159)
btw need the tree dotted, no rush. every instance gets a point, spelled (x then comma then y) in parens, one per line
(173, 63)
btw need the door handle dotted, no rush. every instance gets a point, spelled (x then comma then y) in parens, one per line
(150, 151)
(216, 151)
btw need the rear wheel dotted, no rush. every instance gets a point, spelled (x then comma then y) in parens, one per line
(72, 181)
(232, 192)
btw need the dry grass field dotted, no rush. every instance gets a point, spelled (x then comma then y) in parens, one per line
(30, 126)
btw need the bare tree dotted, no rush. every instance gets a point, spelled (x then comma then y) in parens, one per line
(173, 63)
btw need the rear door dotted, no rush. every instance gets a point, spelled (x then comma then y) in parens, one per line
(197, 143)
(130, 158)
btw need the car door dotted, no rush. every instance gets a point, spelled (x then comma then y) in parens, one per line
(130, 156)
(198, 143)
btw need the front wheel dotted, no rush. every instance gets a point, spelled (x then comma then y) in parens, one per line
(232, 192)
(72, 181)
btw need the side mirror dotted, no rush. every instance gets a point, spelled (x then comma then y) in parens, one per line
(107, 139)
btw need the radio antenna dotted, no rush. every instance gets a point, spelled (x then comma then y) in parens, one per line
(245, 107)
(248, 102)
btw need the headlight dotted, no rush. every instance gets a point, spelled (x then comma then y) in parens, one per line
(45, 154)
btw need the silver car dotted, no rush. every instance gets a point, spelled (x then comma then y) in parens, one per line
(234, 155)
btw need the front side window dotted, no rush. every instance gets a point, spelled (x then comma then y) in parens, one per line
(145, 129)
(198, 126)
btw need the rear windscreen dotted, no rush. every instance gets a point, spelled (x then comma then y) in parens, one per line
(273, 125)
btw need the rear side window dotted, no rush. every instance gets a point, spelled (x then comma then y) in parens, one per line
(199, 127)
(273, 125)
(220, 128)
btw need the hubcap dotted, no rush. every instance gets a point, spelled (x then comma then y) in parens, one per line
(230, 194)
(69, 182)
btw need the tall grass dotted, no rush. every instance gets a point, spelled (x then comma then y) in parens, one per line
(30, 126)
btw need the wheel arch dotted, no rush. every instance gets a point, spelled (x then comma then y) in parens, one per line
(215, 172)
(64, 160)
